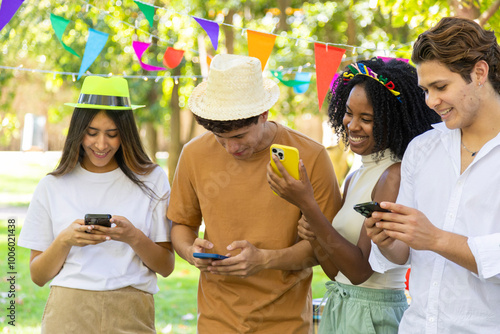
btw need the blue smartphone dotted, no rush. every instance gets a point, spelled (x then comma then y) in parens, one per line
(209, 256)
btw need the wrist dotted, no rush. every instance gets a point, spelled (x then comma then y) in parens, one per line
(266, 258)
(136, 237)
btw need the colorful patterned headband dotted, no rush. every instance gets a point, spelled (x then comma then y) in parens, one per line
(361, 69)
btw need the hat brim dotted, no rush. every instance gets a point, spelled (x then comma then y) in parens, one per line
(214, 111)
(102, 107)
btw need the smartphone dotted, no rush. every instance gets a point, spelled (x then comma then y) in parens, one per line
(366, 209)
(98, 219)
(289, 158)
(209, 256)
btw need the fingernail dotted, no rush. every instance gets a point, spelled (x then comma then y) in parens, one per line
(108, 238)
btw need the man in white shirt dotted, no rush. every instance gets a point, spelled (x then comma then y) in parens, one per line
(446, 222)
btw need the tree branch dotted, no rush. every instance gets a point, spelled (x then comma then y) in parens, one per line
(486, 15)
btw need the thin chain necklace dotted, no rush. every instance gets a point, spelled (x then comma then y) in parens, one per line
(465, 147)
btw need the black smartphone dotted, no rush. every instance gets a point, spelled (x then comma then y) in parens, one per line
(209, 256)
(98, 219)
(366, 209)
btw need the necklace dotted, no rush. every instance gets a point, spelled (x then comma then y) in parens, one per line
(465, 147)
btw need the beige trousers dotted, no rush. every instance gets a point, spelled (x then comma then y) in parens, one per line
(123, 311)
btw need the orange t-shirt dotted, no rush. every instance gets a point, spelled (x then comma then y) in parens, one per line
(236, 203)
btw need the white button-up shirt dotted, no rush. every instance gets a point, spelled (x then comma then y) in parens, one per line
(447, 298)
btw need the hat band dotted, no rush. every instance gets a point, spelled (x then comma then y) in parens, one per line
(104, 100)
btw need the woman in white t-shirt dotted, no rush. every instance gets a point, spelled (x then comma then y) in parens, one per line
(377, 108)
(103, 278)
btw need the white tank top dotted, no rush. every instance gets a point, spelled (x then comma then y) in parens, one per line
(348, 222)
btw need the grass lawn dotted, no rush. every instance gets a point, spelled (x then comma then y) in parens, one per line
(175, 303)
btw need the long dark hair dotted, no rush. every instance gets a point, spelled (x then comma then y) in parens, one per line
(397, 120)
(131, 156)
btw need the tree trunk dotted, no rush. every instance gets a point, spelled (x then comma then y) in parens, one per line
(228, 31)
(151, 139)
(175, 128)
(465, 8)
(283, 5)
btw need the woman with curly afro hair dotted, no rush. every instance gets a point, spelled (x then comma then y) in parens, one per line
(377, 108)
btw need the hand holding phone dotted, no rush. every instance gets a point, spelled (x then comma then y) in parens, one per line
(367, 208)
(98, 219)
(289, 158)
(209, 256)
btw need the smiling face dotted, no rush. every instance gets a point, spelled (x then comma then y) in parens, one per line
(448, 94)
(100, 143)
(358, 122)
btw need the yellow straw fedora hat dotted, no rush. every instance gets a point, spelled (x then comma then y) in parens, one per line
(104, 93)
(235, 89)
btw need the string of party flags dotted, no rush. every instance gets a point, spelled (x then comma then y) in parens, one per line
(260, 45)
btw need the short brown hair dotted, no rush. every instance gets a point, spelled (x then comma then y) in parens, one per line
(459, 43)
(225, 126)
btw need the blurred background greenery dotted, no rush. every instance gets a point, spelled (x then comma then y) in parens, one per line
(35, 70)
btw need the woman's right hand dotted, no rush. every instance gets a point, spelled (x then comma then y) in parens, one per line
(298, 192)
(79, 234)
(304, 230)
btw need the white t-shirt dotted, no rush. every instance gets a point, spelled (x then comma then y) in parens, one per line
(59, 201)
(446, 297)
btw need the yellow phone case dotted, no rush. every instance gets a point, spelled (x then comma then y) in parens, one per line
(289, 158)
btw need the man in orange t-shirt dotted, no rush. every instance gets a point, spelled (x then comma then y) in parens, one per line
(265, 284)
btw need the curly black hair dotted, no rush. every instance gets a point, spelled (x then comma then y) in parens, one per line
(397, 120)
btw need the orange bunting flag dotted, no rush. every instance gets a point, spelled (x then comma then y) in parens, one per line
(172, 57)
(260, 45)
(328, 59)
(209, 60)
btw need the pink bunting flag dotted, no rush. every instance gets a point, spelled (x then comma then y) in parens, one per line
(328, 59)
(7, 11)
(211, 28)
(386, 59)
(139, 48)
(172, 57)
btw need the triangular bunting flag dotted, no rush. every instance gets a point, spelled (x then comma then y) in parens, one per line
(328, 59)
(172, 57)
(260, 45)
(59, 24)
(94, 46)
(332, 84)
(148, 11)
(139, 48)
(211, 28)
(7, 11)
(289, 83)
(302, 76)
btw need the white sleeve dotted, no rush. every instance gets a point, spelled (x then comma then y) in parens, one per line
(37, 232)
(161, 225)
(380, 263)
(486, 251)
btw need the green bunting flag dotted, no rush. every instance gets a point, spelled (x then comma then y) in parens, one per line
(147, 10)
(289, 83)
(59, 24)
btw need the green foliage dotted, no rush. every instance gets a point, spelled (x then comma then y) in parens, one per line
(365, 28)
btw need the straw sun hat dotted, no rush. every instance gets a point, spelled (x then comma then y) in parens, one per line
(234, 90)
(104, 93)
